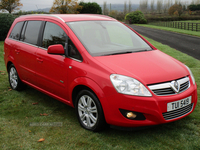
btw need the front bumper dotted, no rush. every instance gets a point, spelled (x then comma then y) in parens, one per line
(151, 107)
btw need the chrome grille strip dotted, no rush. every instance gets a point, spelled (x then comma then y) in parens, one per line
(178, 113)
(163, 89)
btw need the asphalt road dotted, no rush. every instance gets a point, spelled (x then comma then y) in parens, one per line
(184, 43)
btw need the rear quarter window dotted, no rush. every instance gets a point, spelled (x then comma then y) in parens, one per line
(15, 34)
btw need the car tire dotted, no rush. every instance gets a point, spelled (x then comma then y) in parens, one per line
(14, 80)
(89, 111)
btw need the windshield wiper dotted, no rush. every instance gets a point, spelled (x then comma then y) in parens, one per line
(140, 51)
(126, 52)
(118, 53)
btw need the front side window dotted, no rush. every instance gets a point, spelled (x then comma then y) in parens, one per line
(32, 32)
(53, 34)
(72, 51)
(107, 37)
(15, 34)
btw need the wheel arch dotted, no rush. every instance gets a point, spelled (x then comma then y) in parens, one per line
(8, 65)
(84, 83)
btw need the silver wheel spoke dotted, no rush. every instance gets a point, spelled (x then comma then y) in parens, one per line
(89, 102)
(88, 121)
(13, 77)
(82, 117)
(92, 118)
(93, 109)
(14, 83)
(83, 101)
(87, 111)
(81, 108)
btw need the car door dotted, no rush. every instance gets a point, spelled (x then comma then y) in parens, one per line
(51, 70)
(25, 50)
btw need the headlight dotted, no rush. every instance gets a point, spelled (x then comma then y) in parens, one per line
(193, 80)
(128, 85)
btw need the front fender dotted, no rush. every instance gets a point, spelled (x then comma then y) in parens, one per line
(88, 83)
(95, 88)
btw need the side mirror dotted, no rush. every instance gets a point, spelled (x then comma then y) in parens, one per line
(56, 49)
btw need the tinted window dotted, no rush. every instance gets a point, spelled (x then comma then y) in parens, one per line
(15, 34)
(32, 32)
(73, 52)
(53, 34)
(22, 37)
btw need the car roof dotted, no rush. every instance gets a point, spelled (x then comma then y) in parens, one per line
(68, 17)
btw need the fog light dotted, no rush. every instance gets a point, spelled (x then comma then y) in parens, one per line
(131, 115)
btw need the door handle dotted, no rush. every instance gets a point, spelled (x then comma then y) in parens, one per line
(40, 60)
(16, 51)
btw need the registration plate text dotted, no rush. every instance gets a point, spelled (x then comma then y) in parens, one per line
(179, 104)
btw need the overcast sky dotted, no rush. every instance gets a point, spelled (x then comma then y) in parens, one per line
(39, 4)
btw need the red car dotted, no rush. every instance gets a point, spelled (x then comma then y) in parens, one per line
(107, 71)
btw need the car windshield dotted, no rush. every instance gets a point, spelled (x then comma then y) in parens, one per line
(102, 38)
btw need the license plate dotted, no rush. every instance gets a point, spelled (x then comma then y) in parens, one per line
(179, 104)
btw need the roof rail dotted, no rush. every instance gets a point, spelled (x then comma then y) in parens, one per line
(43, 15)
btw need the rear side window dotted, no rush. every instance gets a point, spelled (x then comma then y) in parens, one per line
(32, 32)
(53, 34)
(22, 37)
(15, 34)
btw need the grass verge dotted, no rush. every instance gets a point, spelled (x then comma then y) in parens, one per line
(19, 109)
(188, 32)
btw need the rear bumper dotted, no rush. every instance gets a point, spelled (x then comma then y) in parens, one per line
(151, 107)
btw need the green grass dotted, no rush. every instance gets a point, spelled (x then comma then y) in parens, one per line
(188, 32)
(17, 111)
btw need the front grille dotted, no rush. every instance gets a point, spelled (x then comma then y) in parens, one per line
(177, 113)
(184, 86)
(166, 91)
(163, 89)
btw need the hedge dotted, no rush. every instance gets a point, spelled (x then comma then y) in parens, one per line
(6, 21)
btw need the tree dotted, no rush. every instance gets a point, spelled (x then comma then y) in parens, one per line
(176, 9)
(125, 9)
(129, 6)
(113, 13)
(194, 7)
(197, 1)
(105, 9)
(165, 6)
(89, 8)
(65, 6)
(159, 6)
(10, 5)
(144, 5)
(152, 6)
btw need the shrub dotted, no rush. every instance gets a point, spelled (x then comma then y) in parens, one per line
(135, 17)
(120, 16)
(6, 21)
(126, 16)
(89, 8)
(143, 21)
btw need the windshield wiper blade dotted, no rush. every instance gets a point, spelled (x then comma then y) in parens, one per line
(140, 50)
(126, 52)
